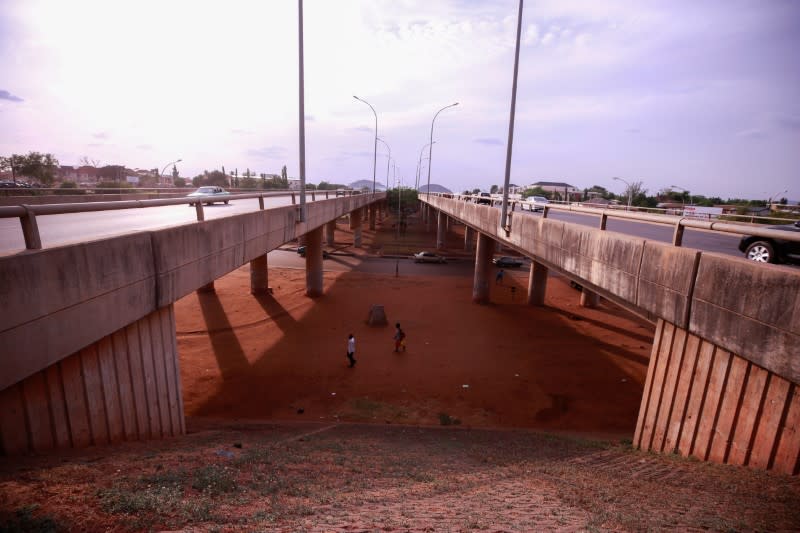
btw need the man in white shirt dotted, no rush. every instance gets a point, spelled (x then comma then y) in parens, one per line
(351, 350)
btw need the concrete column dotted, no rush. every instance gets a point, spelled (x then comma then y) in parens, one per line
(441, 226)
(469, 237)
(314, 262)
(537, 283)
(483, 265)
(355, 225)
(372, 217)
(330, 228)
(258, 275)
(589, 299)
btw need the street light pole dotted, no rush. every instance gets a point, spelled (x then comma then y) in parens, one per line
(629, 190)
(302, 111)
(775, 196)
(161, 175)
(430, 153)
(504, 210)
(387, 162)
(419, 164)
(375, 149)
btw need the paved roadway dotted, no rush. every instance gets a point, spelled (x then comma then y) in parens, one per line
(80, 227)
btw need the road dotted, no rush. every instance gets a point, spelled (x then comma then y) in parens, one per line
(71, 228)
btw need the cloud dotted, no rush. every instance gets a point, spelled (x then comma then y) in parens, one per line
(5, 95)
(364, 128)
(241, 132)
(144, 146)
(268, 152)
(491, 141)
(350, 155)
(100, 135)
(789, 123)
(753, 133)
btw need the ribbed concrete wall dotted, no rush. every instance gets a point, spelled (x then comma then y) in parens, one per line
(123, 387)
(706, 402)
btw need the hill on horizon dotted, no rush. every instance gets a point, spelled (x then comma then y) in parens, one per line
(435, 188)
(367, 184)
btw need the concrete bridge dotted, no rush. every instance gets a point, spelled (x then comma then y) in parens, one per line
(87, 336)
(87, 331)
(722, 382)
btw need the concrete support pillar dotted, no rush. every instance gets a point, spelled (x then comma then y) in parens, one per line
(483, 266)
(372, 216)
(314, 262)
(589, 299)
(469, 238)
(355, 225)
(537, 283)
(258, 275)
(441, 226)
(330, 228)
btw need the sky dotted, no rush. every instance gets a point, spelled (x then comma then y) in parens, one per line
(695, 95)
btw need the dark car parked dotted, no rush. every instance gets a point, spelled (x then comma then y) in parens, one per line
(769, 250)
(507, 262)
(302, 251)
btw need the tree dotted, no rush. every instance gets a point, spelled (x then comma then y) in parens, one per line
(284, 175)
(179, 182)
(535, 191)
(111, 173)
(34, 166)
(494, 189)
(85, 161)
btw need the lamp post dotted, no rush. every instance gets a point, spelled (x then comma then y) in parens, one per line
(504, 211)
(685, 191)
(161, 175)
(419, 163)
(629, 190)
(430, 153)
(375, 149)
(387, 162)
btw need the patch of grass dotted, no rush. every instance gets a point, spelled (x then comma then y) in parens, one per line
(25, 521)
(214, 480)
(121, 499)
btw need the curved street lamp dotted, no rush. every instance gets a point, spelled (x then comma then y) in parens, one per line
(375, 149)
(430, 153)
(419, 164)
(629, 190)
(775, 196)
(685, 191)
(387, 162)
(161, 175)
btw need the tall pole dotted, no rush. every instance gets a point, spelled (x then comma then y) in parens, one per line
(504, 211)
(629, 190)
(430, 153)
(161, 175)
(387, 162)
(419, 164)
(375, 148)
(302, 116)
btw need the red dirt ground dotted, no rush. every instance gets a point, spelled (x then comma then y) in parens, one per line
(507, 364)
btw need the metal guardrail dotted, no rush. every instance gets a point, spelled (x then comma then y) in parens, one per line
(679, 223)
(30, 229)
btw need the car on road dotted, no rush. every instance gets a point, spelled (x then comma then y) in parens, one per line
(301, 250)
(428, 257)
(507, 262)
(485, 198)
(210, 194)
(770, 250)
(534, 203)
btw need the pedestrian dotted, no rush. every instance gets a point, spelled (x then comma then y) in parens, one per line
(398, 337)
(403, 340)
(499, 277)
(351, 350)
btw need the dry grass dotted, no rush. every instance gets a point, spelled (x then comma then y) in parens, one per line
(326, 478)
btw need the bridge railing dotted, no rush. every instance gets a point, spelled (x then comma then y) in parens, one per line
(27, 213)
(677, 222)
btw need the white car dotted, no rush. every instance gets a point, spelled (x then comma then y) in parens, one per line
(535, 203)
(210, 194)
(428, 257)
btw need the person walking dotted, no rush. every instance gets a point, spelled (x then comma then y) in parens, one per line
(351, 350)
(399, 335)
(499, 277)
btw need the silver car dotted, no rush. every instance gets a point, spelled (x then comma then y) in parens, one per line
(428, 257)
(210, 194)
